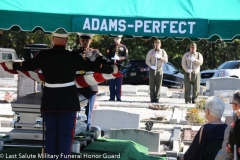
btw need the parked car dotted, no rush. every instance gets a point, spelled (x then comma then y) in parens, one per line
(227, 69)
(31, 50)
(7, 54)
(137, 72)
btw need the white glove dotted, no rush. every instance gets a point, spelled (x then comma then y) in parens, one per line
(158, 56)
(115, 57)
(190, 70)
(9, 65)
(192, 59)
(154, 67)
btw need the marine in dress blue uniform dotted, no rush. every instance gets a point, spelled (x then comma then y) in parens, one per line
(89, 54)
(118, 53)
(60, 100)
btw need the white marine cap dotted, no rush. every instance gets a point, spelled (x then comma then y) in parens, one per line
(61, 33)
(85, 35)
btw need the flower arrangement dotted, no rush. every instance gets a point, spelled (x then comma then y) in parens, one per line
(201, 103)
(195, 115)
(8, 97)
(234, 139)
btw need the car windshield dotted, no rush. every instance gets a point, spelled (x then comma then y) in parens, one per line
(230, 65)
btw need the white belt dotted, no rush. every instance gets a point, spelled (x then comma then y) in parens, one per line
(58, 85)
(79, 72)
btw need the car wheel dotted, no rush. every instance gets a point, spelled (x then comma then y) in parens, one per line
(180, 86)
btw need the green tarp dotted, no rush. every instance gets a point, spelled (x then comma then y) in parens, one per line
(205, 19)
(110, 149)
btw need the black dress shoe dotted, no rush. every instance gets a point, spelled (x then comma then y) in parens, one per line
(156, 100)
(111, 99)
(119, 100)
(152, 100)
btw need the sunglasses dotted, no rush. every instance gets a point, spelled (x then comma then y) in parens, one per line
(233, 103)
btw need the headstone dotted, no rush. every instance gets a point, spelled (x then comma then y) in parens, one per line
(187, 134)
(107, 119)
(4, 74)
(226, 95)
(175, 94)
(176, 134)
(224, 83)
(228, 111)
(8, 82)
(176, 116)
(145, 138)
(183, 117)
(25, 86)
(207, 85)
(173, 154)
(176, 145)
(164, 92)
(6, 110)
(181, 95)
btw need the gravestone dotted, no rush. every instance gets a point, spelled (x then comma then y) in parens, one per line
(223, 83)
(4, 74)
(145, 138)
(228, 111)
(175, 94)
(177, 115)
(25, 86)
(107, 119)
(8, 82)
(226, 95)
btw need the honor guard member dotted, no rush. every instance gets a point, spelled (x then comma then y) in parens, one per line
(191, 62)
(89, 54)
(118, 53)
(60, 101)
(155, 59)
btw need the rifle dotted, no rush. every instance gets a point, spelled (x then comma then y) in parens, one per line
(116, 53)
(190, 74)
(156, 52)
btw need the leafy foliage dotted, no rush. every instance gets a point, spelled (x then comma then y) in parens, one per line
(213, 53)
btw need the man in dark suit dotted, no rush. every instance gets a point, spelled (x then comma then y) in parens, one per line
(60, 100)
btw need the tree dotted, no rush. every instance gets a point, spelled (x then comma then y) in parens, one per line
(214, 53)
(17, 40)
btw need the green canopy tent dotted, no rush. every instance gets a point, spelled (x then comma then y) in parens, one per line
(178, 19)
